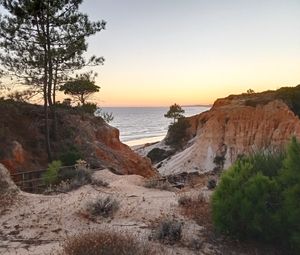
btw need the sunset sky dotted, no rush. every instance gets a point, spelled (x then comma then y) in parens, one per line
(193, 51)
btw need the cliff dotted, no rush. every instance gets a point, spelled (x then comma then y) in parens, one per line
(235, 126)
(22, 144)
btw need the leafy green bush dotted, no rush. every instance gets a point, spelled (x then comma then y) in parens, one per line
(50, 177)
(258, 198)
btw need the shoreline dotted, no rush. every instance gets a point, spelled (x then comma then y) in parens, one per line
(134, 144)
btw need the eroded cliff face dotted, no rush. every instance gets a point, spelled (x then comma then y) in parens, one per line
(101, 146)
(22, 144)
(232, 128)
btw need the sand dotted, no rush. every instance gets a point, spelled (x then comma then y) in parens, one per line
(38, 224)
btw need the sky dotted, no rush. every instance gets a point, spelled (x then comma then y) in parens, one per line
(159, 52)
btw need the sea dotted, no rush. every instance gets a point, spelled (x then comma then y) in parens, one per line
(140, 125)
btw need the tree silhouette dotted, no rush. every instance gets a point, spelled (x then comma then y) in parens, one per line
(79, 89)
(175, 112)
(43, 44)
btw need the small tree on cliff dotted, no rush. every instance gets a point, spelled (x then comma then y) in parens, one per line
(80, 89)
(175, 112)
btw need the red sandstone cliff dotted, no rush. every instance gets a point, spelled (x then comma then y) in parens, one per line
(232, 128)
(22, 145)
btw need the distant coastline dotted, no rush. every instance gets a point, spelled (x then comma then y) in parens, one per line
(197, 105)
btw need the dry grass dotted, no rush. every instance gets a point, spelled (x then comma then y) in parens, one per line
(105, 207)
(196, 209)
(155, 183)
(106, 243)
(168, 231)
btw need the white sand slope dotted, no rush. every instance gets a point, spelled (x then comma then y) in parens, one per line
(37, 224)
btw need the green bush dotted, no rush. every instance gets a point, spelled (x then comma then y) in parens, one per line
(290, 182)
(50, 177)
(70, 157)
(258, 198)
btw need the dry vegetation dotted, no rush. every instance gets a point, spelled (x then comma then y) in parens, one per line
(156, 183)
(168, 231)
(105, 207)
(107, 243)
(197, 209)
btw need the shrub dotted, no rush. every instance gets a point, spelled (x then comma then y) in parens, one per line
(155, 183)
(71, 179)
(106, 243)
(290, 183)
(105, 207)
(258, 198)
(291, 96)
(70, 157)
(243, 201)
(67, 178)
(168, 231)
(50, 177)
(106, 116)
(88, 108)
(177, 135)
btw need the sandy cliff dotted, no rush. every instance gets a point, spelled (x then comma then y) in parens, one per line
(22, 144)
(234, 127)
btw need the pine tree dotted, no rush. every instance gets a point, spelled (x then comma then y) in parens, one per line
(43, 44)
(81, 88)
(175, 112)
(290, 181)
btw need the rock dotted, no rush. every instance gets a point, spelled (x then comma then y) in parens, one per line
(101, 146)
(156, 155)
(6, 183)
(231, 129)
(15, 156)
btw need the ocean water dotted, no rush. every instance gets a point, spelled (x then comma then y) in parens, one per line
(139, 125)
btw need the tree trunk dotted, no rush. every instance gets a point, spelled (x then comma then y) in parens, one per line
(82, 99)
(47, 130)
(50, 74)
(54, 115)
(45, 89)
